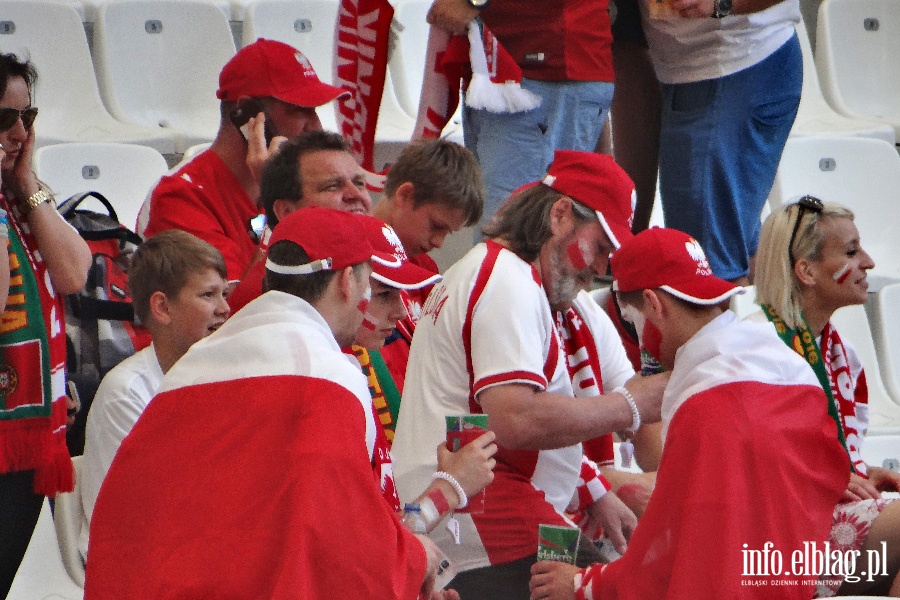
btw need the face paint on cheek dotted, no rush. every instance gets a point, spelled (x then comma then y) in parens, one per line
(578, 254)
(841, 275)
(368, 323)
(636, 318)
(364, 303)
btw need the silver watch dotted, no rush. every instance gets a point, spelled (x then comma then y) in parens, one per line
(479, 4)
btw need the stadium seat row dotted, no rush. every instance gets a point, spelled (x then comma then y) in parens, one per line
(156, 64)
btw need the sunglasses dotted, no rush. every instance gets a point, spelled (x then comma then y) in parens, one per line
(9, 116)
(806, 203)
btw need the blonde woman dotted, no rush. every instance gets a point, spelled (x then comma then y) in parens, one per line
(809, 264)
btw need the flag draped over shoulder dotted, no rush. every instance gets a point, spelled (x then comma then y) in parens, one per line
(249, 481)
(363, 35)
(728, 479)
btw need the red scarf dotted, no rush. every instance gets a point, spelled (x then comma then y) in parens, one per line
(32, 380)
(363, 32)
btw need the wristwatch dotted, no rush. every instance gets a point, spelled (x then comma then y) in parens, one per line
(38, 198)
(722, 9)
(479, 4)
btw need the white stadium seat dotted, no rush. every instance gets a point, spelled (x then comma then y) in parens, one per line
(158, 64)
(856, 51)
(68, 517)
(51, 35)
(124, 173)
(42, 575)
(309, 26)
(885, 317)
(816, 117)
(862, 174)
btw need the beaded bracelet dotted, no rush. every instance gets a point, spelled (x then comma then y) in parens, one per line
(635, 414)
(463, 499)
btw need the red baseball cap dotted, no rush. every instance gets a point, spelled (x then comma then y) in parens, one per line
(390, 265)
(598, 182)
(269, 68)
(671, 260)
(333, 239)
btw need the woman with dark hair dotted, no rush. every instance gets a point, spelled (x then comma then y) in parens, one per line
(809, 264)
(47, 259)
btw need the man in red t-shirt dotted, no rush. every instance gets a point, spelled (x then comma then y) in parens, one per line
(564, 51)
(214, 195)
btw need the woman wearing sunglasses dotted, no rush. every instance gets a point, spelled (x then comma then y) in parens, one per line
(46, 259)
(809, 264)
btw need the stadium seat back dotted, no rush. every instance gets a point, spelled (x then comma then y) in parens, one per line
(158, 63)
(51, 35)
(123, 173)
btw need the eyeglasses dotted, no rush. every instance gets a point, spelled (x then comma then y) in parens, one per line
(810, 203)
(9, 116)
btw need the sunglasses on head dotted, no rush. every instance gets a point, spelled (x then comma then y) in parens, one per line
(9, 116)
(810, 203)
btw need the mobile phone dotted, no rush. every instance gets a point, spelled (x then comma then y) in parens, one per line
(246, 110)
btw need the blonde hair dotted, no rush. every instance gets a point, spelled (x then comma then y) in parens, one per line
(776, 282)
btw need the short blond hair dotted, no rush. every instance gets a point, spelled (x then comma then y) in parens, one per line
(776, 282)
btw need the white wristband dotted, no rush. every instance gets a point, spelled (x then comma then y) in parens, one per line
(635, 414)
(463, 499)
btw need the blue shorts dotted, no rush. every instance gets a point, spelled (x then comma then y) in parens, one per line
(720, 145)
(515, 148)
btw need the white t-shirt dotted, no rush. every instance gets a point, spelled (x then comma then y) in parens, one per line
(688, 50)
(488, 323)
(121, 398)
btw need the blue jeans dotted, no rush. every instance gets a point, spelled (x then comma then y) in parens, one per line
(720, 145)
(515, 148)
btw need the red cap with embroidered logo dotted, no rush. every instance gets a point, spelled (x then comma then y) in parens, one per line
(333, 240)
(390, 265)
(269, 68)
(597, 181)
(671, 260)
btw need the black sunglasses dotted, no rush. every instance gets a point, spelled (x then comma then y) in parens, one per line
(9, 116)
(810, 203)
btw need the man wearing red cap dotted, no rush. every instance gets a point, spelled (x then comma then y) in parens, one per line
(486, 341)
(748, 445)
(252, 466)
(214, 195)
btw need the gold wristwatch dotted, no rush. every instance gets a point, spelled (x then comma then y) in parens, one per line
(38, 198)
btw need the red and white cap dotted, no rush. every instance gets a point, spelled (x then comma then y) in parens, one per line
(670, 260)
(390, 265)
(597, 181)
(333, 240)
(270, 68)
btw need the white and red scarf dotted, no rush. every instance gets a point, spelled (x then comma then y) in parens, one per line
(361, 40)
(477, 61)
(849, 396)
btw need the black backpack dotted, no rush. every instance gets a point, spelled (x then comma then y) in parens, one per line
(101, 330)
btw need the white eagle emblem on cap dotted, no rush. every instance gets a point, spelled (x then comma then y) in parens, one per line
(308, 70)
(696, 253)
(391, 236)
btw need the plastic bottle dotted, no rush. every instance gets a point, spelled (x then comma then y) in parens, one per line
(413, 519)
